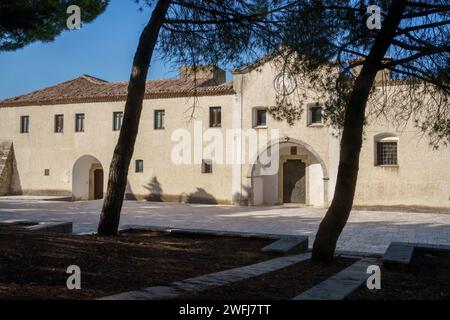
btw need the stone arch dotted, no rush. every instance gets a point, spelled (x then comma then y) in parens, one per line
(87, 178)
(310, 151)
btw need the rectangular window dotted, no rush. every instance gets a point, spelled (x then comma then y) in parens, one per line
(79, 122)
(59, 123)
(215, 117)
(160, 119)
(139, 165)
(387, 153)
(207, 166)
(294, 151)
(46, 172)
(24, 124)
(314, 114)
(260, 118)
(117, 120)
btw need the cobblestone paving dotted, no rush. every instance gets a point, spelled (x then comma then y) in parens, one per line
(366, 231)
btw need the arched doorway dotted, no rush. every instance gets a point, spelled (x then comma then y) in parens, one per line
(87, 179)
(302, 176)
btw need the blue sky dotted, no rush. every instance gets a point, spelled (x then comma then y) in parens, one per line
(103, 48)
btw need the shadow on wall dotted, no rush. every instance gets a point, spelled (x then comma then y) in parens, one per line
(10, 183)
(155, 189)
(201, 196)
(156, 193)
(129, 195)
(243, 198)
(16, 185)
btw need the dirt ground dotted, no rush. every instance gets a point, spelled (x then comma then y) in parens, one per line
(34, 266)
(283, 284)
(427, 277)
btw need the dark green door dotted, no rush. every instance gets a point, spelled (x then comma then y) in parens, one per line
(294, 185)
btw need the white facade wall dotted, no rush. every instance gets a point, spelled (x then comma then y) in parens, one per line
(422, 177)
(42, 148)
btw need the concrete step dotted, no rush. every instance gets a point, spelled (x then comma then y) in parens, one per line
(340, 285)
(288, 245)
(398, 253)
(35, 198)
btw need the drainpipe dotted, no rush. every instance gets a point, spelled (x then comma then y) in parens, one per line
(242, 128)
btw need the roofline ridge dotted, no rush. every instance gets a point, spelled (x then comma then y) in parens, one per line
(91, 79)
(201, 84)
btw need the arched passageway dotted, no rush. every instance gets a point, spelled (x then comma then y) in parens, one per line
(87, 179)
(302, 176)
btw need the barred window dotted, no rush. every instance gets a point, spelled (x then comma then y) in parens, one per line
(387, 153)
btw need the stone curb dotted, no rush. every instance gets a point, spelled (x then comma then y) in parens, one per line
(169, 229)
(284, 244)
(197, 284)
(340, 285)
(39, 227)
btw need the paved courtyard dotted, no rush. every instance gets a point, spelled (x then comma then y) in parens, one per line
(366, 231)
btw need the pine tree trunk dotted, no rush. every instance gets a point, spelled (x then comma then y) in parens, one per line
(337, 215)
(118, 171)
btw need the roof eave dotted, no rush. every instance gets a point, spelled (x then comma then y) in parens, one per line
(147, 96)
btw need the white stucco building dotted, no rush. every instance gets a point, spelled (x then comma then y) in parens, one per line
(60, 141)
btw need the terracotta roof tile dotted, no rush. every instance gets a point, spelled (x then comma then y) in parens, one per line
(86, 89)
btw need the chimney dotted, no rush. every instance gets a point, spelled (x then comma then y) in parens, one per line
(203, 72)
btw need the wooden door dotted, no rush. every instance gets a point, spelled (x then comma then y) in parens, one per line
(294, 185)
(98, 184)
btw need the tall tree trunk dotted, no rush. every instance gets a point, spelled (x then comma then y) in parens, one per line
(337, 215)
(118, 171)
